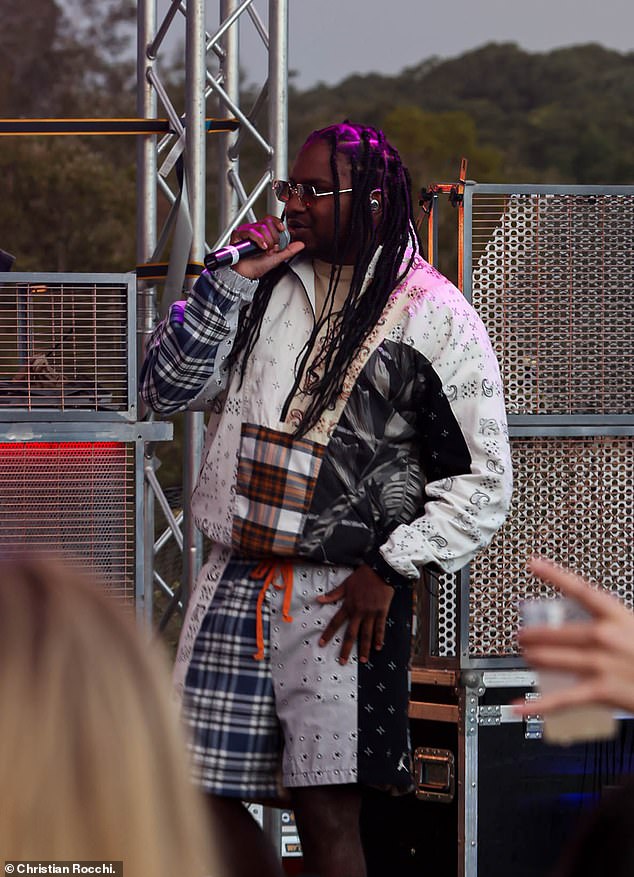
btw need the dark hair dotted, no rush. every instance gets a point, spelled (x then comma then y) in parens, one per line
(375, 165)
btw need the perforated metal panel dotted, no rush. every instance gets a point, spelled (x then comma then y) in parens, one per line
(550, 272)
(77, 498)
(66, 344)
(553, 280)
(436, 596)
(446, 587)
(573, 502)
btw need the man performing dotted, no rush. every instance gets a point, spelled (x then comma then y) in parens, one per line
(357, 434)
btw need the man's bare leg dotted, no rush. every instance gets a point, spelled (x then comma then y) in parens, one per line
(244, 849)
(328, 823)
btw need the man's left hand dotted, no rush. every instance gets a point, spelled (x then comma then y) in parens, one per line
(366, 601)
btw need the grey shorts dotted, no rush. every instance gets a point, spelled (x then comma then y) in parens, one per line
(296, 717)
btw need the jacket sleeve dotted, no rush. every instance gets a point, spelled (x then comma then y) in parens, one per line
(185, 360)
(465, 446)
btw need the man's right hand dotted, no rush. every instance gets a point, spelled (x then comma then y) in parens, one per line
(266, 234)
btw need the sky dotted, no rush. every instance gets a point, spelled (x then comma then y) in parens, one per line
(331, 39)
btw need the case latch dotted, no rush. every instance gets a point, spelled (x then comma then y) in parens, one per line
(434, 774)
(533, 724)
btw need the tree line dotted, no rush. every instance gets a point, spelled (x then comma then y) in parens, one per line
(69, 202)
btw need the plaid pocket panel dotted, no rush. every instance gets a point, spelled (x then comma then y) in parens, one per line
(277, 474)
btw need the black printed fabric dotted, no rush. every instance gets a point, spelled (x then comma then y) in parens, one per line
(384, 746)
(396, 433)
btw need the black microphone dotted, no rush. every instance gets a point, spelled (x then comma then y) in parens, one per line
(232, 253)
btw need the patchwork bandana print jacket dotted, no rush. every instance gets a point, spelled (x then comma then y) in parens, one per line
(411, 467)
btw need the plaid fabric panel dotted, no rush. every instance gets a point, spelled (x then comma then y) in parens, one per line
(181, 355)
(228, 701)
(276, 480)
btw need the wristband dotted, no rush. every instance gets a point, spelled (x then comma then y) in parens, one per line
(390, 576)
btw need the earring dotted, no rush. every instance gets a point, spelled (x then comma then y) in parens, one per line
(375, 205)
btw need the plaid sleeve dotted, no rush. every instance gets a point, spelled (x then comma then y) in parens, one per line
(182, 353)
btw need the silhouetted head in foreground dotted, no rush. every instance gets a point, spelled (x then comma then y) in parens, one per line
(91, 761)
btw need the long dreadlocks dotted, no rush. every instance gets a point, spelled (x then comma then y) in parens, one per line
(375, 166)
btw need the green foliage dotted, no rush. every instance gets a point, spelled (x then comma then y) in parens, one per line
(66, 206)
(563, 116)
(560, 117)
(69, 202)
(433, 143)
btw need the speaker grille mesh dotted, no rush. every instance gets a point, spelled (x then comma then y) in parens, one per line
(77, 498)
(573, 502)
(553, 280)
(64, 346)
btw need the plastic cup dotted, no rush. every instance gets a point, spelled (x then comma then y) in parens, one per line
(572, 724)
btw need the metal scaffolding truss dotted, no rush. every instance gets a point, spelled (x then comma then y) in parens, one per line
(212, 73)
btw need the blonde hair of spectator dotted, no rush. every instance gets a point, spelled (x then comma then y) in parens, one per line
(92, 762)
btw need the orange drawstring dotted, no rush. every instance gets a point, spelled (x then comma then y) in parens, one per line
(268, 571)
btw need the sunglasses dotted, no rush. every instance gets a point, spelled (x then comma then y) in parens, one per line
(307, 194)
